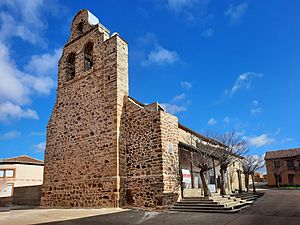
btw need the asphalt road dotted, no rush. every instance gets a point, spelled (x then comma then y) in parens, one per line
(274, 208)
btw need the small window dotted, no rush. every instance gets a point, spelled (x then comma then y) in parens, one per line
(277, 164)
(88, 56)
(9, 190)
(290, 164)
(170, 148)
(1, 173)
(71, 66)
(80, 28)
(9, 173)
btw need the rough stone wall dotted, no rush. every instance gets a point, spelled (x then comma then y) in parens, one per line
(82, 150)
(170, 140)
(143, 156)
(149, 166)
(29, 195)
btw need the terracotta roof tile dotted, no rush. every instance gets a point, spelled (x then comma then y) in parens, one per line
(283, 153)
(22, 159)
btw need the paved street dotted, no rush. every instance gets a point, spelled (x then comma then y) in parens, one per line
(275, 207)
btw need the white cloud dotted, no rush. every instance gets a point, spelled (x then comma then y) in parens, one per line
(255, 103)
(10, 135)
(45, 64)
(149, 52)
(235, 13)
(22, 19)
(178, 5)
(278, 130)
(190, 11)
(173, 108)
(208, 33)
(179, 97)
(26, 20)
(147, 39)
(41, 85)
(287, 140)
(256, 108)
(17, 87)
(40, 147)
(10, 111)
(35, 133)
(212, 121)
(243, 82)
(11, 88)
(186, 85)
(161, 56)
(261, 140)
(226, 119)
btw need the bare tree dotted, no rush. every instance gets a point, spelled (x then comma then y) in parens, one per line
(203, 154)
(250, 165)
(259, 163)
(232, 148)
(247, 165)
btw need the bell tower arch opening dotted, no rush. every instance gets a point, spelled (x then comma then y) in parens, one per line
(88, 56)
(71, 66)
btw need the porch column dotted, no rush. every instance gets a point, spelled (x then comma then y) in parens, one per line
(215, 176)
(192, 174)
(240, 181)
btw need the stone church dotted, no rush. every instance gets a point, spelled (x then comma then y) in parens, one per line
(104, 148)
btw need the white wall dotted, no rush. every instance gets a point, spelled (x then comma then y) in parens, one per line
(25, 175)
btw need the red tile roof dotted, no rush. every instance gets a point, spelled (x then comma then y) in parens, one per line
(289, 153)
(22, 159)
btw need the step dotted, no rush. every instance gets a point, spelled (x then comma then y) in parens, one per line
(211, 208)
(249, 199)
(206, 211)
(195, 200)
(225, 210)
(240, 205)
(199, 205)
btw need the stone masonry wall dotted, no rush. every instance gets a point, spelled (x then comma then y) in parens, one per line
(170, 140)
(143, 148)
(150, 169)
(82, 150)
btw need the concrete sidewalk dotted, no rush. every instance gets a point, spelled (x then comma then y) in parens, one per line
(40, 215)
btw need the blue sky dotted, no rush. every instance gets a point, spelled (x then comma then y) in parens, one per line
(217, 65)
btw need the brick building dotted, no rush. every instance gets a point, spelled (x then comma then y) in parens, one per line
(104, 148)
(283, 167)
